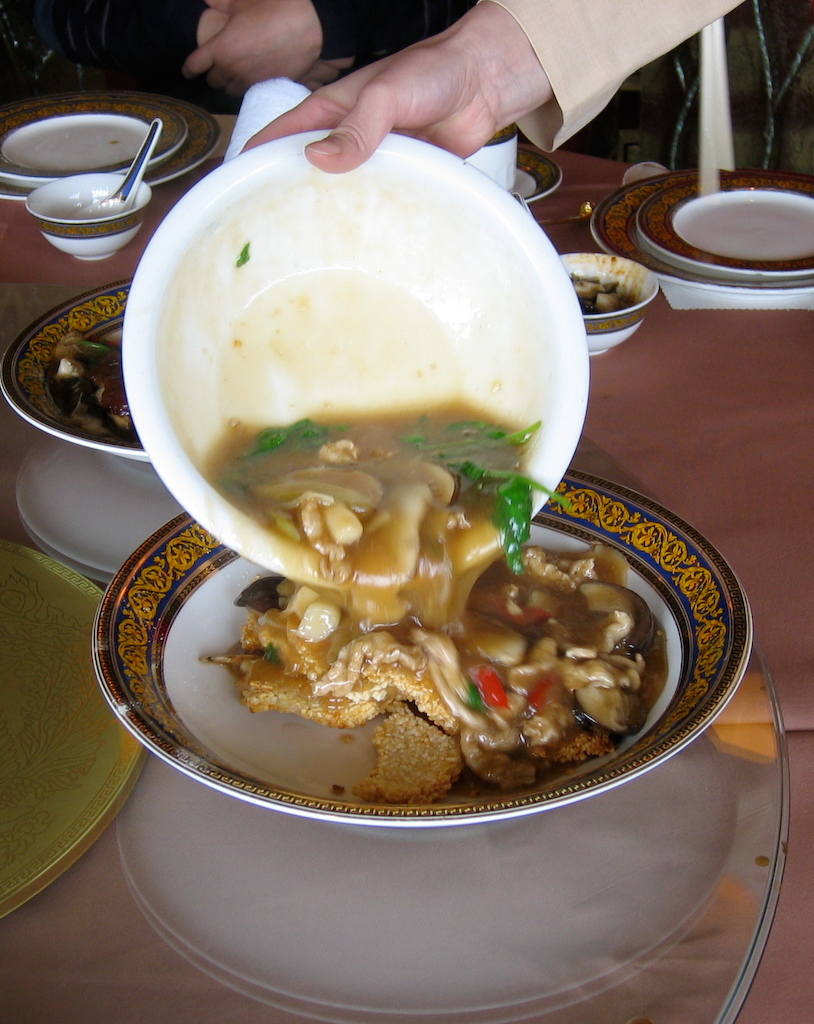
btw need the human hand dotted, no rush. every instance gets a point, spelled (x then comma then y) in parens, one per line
(455, 90)
(209, 24)
(241, 42)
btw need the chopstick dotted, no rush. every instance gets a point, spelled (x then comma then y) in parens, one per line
(716, 150)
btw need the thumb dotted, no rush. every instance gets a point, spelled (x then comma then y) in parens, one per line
(349, 145)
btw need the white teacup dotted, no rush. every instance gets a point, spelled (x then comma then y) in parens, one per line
(498, 158)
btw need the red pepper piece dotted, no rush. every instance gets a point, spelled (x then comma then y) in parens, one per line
(490, 686)
(526, 615)
(531, 616)
(539, 692)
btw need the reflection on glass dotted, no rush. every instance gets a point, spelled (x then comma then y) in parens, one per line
(650, 901)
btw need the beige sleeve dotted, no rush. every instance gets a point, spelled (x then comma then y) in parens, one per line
(589, 47)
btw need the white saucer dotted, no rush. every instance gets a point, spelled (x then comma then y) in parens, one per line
(88, 509)
(537, 175)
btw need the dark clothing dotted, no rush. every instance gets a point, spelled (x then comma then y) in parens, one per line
(151, 39)
(370, 29)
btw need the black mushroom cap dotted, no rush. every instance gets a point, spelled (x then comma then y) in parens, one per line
(608, 597)
(261, 594)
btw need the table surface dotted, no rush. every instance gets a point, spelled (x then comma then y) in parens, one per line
(709, 411)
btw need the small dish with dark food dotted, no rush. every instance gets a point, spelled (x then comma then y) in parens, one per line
(63, 374)
(614, 294)
(85, 381)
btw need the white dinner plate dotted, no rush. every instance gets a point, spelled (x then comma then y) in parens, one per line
(149, 643)
(89, 509)
(77, 143)
(757, 228)
(751, 225)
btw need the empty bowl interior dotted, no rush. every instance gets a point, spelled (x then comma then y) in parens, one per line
(66, 198)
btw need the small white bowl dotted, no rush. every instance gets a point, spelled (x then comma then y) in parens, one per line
(57, 208)
(637, 285)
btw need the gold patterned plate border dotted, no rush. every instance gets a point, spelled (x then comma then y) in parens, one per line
(25, 365)
(614, 226)
(544, 173)
(202, 132)
(654, 218)
(709, 612)
(67, 766)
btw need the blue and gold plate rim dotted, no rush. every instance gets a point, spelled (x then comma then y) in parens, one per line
(25, 364)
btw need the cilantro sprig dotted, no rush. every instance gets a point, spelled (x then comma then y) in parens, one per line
(511, 490)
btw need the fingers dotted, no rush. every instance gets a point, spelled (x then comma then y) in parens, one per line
(198, 62)
(323, 72)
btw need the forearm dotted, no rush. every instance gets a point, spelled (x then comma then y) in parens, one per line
(589, 47)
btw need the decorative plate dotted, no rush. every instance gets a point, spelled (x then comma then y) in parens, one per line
(172, 603)
(67, 766)
(54, 147)
(615, 229)
(537, 175)
(25, 365)
(656, 223)
(201, 132)
(48, 137)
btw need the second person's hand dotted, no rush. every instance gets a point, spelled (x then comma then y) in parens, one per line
(241, 42)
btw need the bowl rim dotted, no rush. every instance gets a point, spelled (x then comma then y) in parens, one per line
(139, 206)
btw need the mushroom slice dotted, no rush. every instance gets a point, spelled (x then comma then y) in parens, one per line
(609, 598)
(261, 594)
(617, 710)
(359, 491)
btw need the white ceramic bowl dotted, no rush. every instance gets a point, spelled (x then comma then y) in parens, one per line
(57, 206)
(636, 284)
(410, 283)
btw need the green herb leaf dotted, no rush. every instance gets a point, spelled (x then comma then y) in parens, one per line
(492, 443)
(305, 433)
(512, 517)
(244, 256)
(511, 490)
(522, 436)
(270, 653)
(97, 347)
(473, 697)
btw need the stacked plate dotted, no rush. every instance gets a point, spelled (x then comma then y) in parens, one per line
(48, 137)
(85, 497)
(756, 234)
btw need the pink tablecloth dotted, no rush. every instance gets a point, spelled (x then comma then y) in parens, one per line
(711, 411)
